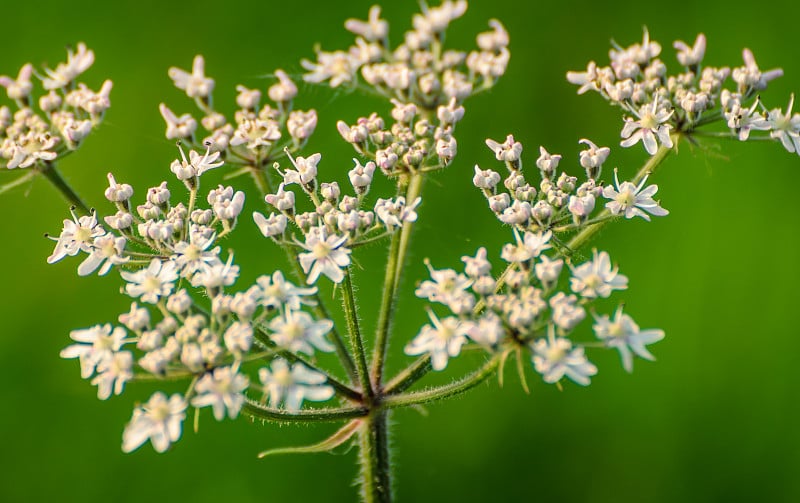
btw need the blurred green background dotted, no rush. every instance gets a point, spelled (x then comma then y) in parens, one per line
(715, 419)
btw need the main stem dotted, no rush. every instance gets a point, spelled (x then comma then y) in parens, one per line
(374, 459)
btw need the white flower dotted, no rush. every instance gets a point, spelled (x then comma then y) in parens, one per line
(177, 127)
(158, 420)
(597, 278)
(106, 253)
(196, 84)
(77, 63)
(96, 346)
(238, 337)
(136, 319)
(508, 151)
(488, 330)
(306, 170)
(113, 373)
(77, 235)
(326, 255)
(623, 334)
(633, 200)
(593, 157)
(374, 29)
(567, 313)
(298, 332)
(649, 126)
(442, 339)
(743, 120)
(554, 357)
(478, 265)
(691, 56)
(337, 67)
(292, 386)
(195, 255)
(786, 127)
(446, 287)
(275, 225)
(216, 275)
(223, 390)
(21, 87)
(152, 283)
(527, 247)
(394, 213)
(750, 76)
(547, 162)
(548, 270)
(276, 292)
(256, 133)
(196, 165)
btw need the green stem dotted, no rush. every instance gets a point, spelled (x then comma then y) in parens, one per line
(356, 342)
(446, 391)
(386, 310)
(413, 191)
(374, 459)
(649, 167)
(409, 375)
(258, 411)
(50, 172)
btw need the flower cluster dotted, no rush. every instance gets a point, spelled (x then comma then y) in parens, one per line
(411, 144)
(260, 132)
(532, 311)
(67, 112)
(560, 204)
(419, 70)
(336, 224)
(183, 323)
(660, 104)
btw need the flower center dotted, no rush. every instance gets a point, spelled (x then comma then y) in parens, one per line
(649, 121)
(321, 250)
(626, 198)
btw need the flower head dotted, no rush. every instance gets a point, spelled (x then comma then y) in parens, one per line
(155, 281)
(623, 333)
(650, 125)
(196, 84)
(633, 200)
(291, 385)
(222, 390)
(597, 278)
(554, 357)
(442, 339)
(326, 255)
(159, 420)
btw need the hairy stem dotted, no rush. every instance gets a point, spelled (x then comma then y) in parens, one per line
(409, 375)
(387, 310)
(374, 459)
(257, 410)
(446, 391)
(356, 342)
(50, 172)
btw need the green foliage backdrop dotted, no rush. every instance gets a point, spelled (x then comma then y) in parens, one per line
(715, 419)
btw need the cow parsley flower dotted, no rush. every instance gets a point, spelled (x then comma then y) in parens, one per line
(222, 390)
(277, 292)
(292, 385)
(106, 253)
(529, 246)
(597, 278)
(78, 235)
(442, 339)
(96, 346)
(151, 283)
(298, 332)
(786, 127)
(159, 420)
(113, 373)
(623, 333)
(177, 127)
(326, 255)
(633, 200)
(196, 84)
(554, 357)
(651, 125)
